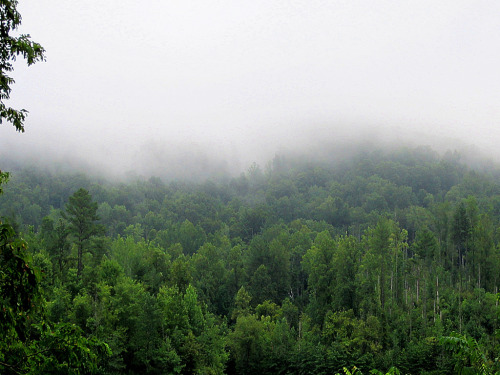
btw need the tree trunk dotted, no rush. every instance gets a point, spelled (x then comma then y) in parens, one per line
(479, 282)
(80, 263)
(437, 295)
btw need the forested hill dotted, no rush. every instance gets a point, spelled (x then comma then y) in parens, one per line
(383, 259)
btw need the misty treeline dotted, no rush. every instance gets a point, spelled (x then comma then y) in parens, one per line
(384, 261)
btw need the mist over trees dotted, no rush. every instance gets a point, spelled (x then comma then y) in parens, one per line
(346, 262)
(386, 259)
(30, 342)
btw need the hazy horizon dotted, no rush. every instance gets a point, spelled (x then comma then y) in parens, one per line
(144, 87)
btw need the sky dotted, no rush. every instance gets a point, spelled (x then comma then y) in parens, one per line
(144, 85)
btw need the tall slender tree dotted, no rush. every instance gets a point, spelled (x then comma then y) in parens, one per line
(81, 213)
(461, 232)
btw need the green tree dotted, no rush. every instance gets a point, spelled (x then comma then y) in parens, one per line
(56, 243)
(191, 237)
(249, 343)
(4, 177)
(81, 213)
(426, 245)
(241, 304)
(345, 264)
(198, 340)
(468, 354)
(29, 344)
(318, 264)
(461, 232)
(10, 48)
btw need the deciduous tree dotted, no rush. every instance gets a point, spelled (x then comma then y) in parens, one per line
(10, 48)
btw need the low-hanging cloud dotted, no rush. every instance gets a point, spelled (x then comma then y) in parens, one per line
(166, 87)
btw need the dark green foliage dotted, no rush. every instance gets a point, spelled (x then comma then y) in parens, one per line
(81, 213)
(461, 232)
(28, 344)
(55, 240)
(19, 295)
(305, 269)
(309, 268)
(12, 47)
(470, 359)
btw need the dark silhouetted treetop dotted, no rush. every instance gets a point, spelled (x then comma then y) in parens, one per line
(10, 48)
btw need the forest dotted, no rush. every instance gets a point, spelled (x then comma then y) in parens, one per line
(376, 260)
(387, 261)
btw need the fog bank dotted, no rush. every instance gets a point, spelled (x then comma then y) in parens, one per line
(195, 88)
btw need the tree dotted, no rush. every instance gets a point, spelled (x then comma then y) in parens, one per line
(378, 242)
(56, 243)
(468, 355)
(317, 262)
(4, 177)
(249, 343)
(10, 48)
(81, 213)
(461, 232)
(193, 333)
(29, 344)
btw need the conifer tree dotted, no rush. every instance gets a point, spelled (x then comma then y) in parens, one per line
(81, 213)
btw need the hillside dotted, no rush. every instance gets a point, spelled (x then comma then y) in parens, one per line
(303, 267)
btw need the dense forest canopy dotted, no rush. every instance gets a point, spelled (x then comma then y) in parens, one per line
(383, 260)
(335, 262)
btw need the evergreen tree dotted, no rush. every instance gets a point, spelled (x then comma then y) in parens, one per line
(81, 213)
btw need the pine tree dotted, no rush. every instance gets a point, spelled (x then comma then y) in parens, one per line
(81, 213)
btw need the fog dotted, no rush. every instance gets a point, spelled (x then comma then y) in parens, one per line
(190, 88)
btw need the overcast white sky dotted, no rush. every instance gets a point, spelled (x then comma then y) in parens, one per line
(133, 83)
